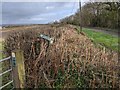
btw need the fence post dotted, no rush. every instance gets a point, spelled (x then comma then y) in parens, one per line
(18, 69)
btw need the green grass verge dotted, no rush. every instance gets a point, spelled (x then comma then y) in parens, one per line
(109, 41)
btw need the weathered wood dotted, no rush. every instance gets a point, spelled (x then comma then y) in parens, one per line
(19, 67)
(15, 72)
(80, 14)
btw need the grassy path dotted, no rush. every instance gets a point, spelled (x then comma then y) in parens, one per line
(104, 39)
(112, 32)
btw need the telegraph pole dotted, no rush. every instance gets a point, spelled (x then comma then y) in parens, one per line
(80, 14)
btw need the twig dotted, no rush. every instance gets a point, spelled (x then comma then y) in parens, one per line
(47, 81)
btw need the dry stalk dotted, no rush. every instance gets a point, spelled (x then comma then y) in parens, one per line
(59, 55)
(47, 81)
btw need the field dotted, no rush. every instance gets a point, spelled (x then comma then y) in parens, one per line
(109, 41)
(73, 60)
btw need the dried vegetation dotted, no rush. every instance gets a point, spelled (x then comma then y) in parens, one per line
(71, 61)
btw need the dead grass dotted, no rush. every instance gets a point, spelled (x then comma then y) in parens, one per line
(71, 61)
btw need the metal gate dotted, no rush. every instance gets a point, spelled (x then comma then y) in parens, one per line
(8, 71)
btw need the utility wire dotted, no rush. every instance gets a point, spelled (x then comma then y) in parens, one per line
(73, 7)
(74, 4)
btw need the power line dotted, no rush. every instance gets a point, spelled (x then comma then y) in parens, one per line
(73, 7)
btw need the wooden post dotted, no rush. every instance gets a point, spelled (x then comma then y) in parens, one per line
(18, 69)
(15, 72)
(80, 14)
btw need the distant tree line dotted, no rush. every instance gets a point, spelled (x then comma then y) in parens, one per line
(97, 14)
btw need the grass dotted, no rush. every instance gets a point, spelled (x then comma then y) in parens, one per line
(4, 78)
(0, 63)
(0, 45)
(106, 40)
(1, 48)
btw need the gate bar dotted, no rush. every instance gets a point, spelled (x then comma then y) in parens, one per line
(5, 59)
(6, 84)
(6, 72)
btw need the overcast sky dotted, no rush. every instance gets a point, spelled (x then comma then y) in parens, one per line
(36, 12)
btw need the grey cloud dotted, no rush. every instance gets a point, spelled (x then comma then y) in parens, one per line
(15, 12)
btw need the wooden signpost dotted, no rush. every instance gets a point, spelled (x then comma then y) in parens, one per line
(18, 69)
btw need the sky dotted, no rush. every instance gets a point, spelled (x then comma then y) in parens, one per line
(36, 12)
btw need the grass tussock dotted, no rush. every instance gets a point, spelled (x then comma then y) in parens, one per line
(71, 61)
